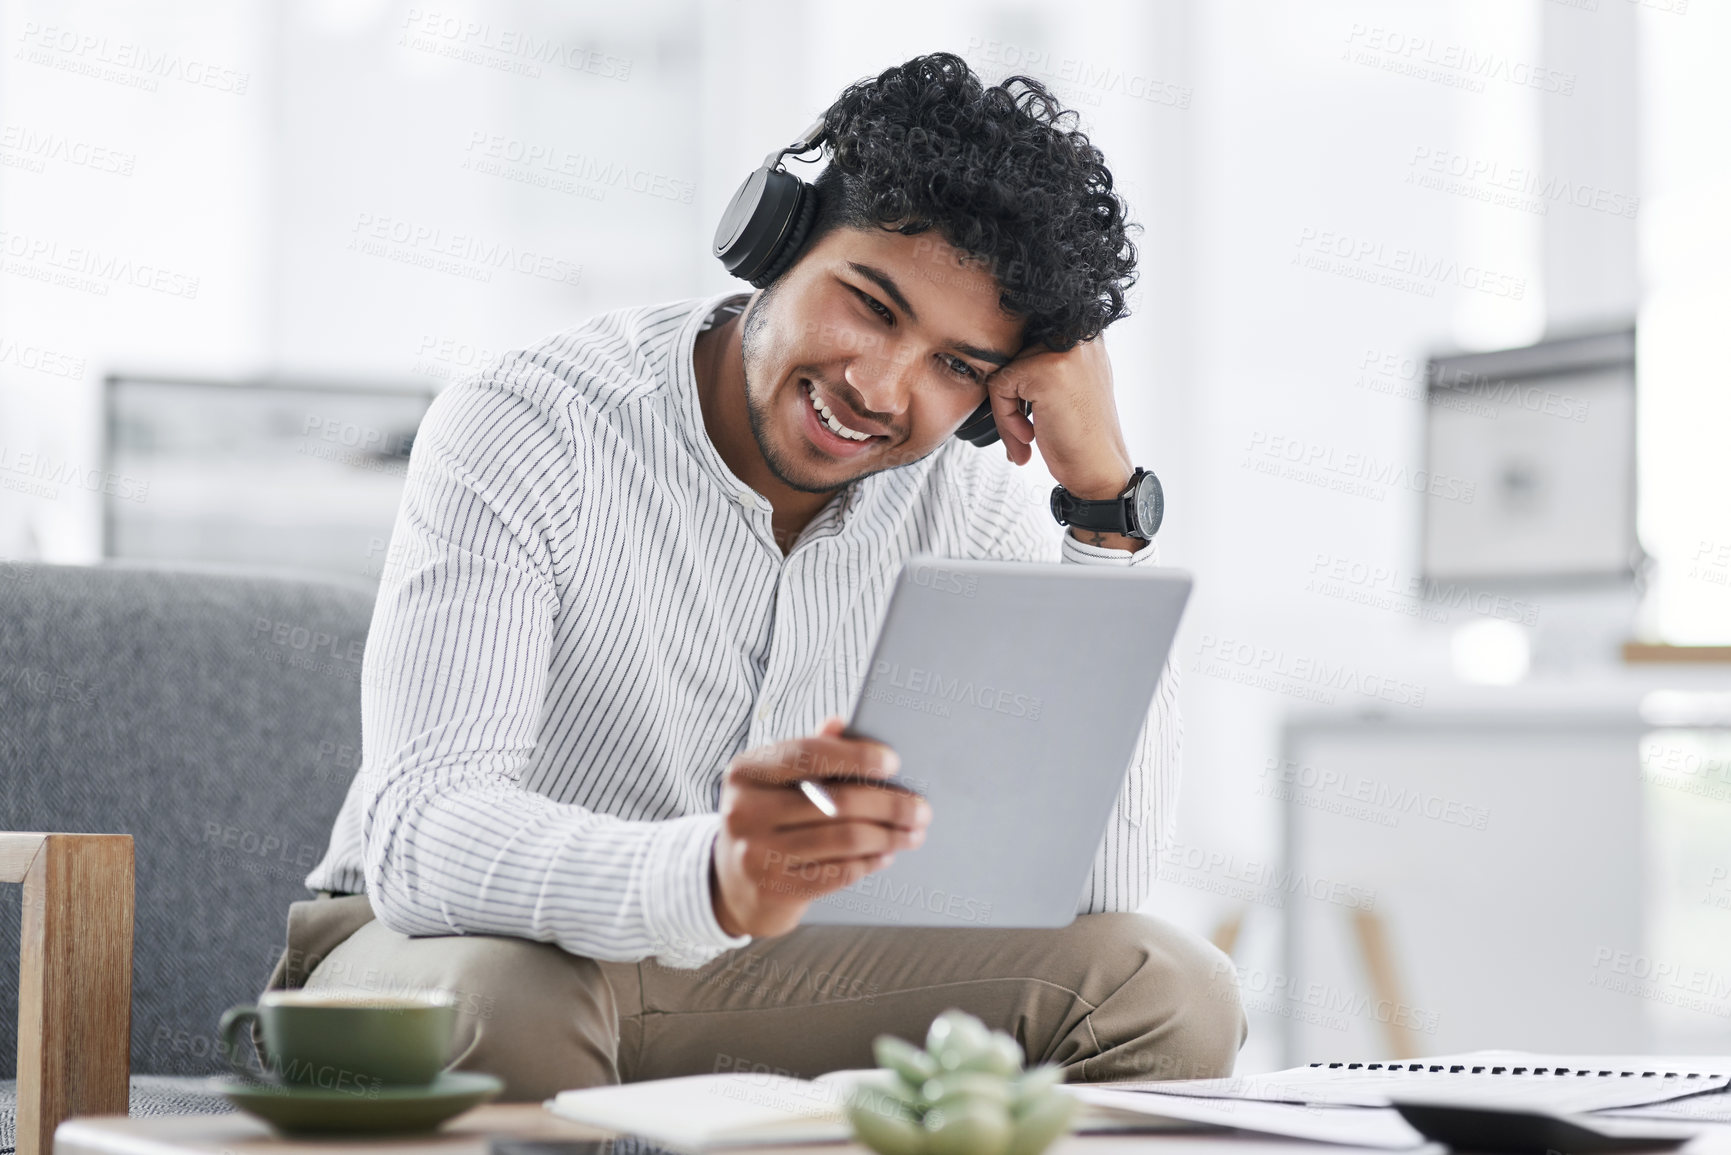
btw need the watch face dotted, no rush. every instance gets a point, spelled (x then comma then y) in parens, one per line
(1150, 505)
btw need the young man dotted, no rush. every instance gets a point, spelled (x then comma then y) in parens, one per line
(634, 583)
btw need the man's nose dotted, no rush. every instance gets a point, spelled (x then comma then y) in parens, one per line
(883, 381)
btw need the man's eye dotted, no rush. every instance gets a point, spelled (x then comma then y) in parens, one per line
(876, 306)
(964, 369)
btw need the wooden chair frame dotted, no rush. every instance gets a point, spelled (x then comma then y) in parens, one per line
(74, 978)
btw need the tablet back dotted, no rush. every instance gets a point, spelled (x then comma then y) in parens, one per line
(1014, 693)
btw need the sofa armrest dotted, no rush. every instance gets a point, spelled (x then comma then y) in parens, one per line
(74, 978)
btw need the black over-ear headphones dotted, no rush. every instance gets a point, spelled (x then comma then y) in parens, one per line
(765, 227)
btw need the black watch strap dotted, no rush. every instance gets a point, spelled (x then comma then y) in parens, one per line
(1111, 515)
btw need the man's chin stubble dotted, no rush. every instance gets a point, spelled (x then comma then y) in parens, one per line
(750, 336)
(778, 464)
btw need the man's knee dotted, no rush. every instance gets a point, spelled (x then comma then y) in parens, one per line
(1175, 1013)
(541, 1019)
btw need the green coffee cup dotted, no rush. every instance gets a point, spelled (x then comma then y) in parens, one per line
(340, 1040)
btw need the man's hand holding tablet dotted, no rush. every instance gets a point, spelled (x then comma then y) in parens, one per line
(778, 850)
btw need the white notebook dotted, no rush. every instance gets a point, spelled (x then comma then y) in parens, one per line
(701, 1112)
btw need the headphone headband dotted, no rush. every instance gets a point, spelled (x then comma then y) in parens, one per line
(808, 140)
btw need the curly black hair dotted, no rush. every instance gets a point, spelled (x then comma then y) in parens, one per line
(1001, 172)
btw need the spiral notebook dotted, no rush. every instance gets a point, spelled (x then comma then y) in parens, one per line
(1567, 1084)
(1350, 1103)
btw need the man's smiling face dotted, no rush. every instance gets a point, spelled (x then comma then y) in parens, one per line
(892, 335)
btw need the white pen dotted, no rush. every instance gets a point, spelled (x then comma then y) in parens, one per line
(819, 797)
(824, 801)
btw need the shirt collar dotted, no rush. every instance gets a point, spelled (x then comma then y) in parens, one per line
(683, 372)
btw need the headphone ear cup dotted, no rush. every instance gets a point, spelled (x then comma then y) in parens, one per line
(754, 228)
(783, 255)
(981, 428)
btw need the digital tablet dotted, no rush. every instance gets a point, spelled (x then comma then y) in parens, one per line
(1014, 693)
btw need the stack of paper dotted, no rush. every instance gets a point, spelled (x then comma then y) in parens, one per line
(1343, 1103)
(1348, 1103)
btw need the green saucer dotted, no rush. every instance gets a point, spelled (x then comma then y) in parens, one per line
(310, 1110)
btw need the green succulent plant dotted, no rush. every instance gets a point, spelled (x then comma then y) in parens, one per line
(964, 1094)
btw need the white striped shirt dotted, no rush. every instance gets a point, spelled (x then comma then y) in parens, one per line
(584, 616)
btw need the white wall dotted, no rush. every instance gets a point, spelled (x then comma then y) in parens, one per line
(133, 206)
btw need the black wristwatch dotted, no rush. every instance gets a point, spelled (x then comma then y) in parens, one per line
(1134, 513)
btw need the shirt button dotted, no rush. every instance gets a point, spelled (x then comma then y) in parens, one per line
(748, 499)
(763, 711)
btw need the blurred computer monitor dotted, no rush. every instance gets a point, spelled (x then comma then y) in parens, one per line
(1530, 462)
(299, 477)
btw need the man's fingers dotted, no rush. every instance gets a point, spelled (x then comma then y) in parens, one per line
(836, 841)
(1015, 430)
(818, 879)
(893, 808)
(1013, 424)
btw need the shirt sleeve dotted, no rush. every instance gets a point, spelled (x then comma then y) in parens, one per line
(453, 679)
(1010, 518)
(1143, 816)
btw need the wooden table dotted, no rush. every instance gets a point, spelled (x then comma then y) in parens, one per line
(468, 1135)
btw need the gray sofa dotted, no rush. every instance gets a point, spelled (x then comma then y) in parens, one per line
(215, 717)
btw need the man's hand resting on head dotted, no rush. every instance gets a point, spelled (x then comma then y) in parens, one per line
(777, 852)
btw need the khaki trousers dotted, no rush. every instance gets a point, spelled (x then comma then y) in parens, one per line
(1109, 997)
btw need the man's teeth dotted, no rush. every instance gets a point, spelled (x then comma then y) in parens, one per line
(835, 426)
